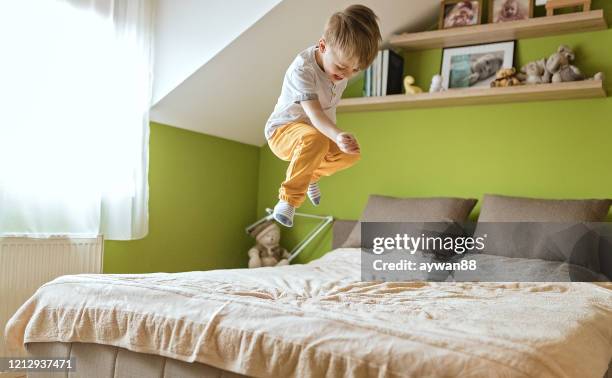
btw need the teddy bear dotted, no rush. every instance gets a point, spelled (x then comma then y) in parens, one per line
(506, 77)
(535, 72)
(267, 251)
(556, 69)
(559, 65)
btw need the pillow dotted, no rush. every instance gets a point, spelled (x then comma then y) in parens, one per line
(546, 229)
(496, 208)
(341, 230)
(391, 209)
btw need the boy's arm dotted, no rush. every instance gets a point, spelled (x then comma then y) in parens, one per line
(319, 119)
(345, 141)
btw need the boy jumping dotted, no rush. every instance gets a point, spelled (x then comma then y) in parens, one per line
(302, 128)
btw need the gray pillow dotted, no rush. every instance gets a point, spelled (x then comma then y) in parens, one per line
(496, 208)
(391, 209)
(546, 229)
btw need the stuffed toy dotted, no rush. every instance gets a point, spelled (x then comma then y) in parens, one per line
(506, 77)
(267, 251)
(411, 89)
(535, 72)
(556, 69)
(559, 65)
(598, 76)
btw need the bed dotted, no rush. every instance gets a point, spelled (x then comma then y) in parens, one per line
(316, 320)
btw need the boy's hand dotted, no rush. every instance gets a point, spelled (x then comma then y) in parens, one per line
(347, 143)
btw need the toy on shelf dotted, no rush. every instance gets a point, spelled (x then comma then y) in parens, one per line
(551, 5)
(557, 68)
(535, 72)
(506, 77)
(409, 87)
(436, 84)
(560, 67)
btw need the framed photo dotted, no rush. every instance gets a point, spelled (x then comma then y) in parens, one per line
(510, 10)
(475, 66)
(455, 13)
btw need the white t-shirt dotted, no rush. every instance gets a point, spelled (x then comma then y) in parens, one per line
(304, 80)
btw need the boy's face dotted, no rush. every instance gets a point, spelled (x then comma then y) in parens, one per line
(335, 65)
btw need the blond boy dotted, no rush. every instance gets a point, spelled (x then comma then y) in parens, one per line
(302, 128)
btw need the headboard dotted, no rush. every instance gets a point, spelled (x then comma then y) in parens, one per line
(341, 230)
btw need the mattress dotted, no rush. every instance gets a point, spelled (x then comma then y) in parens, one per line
(319, 319)
(105, 361)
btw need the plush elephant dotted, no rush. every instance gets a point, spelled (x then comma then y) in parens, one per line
(560, 67)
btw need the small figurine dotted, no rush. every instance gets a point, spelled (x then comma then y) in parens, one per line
(411, 89)
(436, 84)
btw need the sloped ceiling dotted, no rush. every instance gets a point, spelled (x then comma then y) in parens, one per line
(188, 33)
(232, 94)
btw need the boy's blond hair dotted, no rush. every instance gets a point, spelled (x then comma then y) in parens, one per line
(355, 33)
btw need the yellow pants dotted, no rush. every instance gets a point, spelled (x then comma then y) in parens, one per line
(311, 155)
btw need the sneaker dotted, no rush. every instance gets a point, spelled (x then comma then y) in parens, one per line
(314, 194)
(283, 213)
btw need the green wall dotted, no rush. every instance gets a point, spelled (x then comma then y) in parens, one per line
(202, 194)
(559, 149)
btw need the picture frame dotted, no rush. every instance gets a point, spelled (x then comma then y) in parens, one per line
(460, 13)
(510, 10)
(475, 66)
(552, 5)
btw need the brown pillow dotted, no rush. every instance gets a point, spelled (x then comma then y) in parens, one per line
(546, 229)
(391, 209)
(496, 208)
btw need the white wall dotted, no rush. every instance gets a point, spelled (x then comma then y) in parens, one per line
(190, 32)
(233, 94)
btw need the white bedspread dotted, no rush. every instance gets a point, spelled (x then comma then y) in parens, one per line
(318, 320)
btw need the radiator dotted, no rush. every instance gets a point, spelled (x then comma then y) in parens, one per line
(28, 263)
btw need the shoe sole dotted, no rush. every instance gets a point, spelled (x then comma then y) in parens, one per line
(283, 220)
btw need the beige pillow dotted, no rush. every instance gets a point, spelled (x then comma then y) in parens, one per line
(496, 208)
(391, 209)
(547, 229)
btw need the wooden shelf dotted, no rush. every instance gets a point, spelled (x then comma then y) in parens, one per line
(487, 33)
(476, 96)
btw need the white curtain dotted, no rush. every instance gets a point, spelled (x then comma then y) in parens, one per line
(75, 90)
